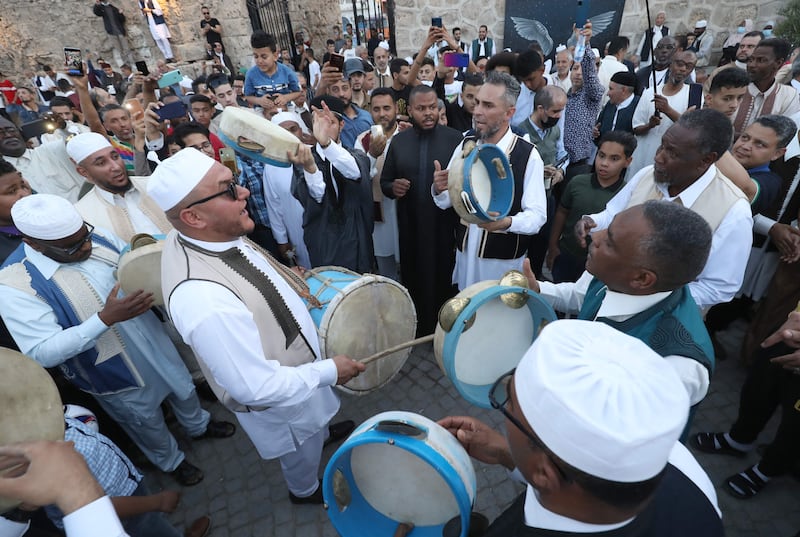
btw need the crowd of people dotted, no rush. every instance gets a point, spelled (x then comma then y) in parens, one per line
(655, 199)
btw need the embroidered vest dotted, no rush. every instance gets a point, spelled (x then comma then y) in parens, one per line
(86, 370)
(503, 245)
(279, 331)
(712, 204)
(117, 218)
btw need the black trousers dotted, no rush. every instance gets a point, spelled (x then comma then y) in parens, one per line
(767, 387)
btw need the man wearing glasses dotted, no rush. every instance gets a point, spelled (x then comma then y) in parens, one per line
(60, 302)
(592, 426)
(242, 313)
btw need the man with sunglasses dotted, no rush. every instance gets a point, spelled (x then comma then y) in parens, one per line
(241, 312)
(61, 302)
(592, 426)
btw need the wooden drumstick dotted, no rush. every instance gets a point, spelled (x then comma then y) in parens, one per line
(403, 529)
(392, 350)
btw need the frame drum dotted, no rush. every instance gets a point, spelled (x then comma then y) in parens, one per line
(359, 316)
(482, 334)
(399, 467)
(31, 407)
(139, 266)
(480, 182)
(256, 137)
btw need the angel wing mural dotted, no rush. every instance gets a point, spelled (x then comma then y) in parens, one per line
(542, 21)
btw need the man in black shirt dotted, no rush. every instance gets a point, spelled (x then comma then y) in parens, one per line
(210, 27)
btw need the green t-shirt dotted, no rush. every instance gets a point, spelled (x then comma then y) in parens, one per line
(583, 195)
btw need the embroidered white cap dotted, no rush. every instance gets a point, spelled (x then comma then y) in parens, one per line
(46, 217)
(281, 117)
(600, 400)
(702, 23)
(177, 176)
(85, 145)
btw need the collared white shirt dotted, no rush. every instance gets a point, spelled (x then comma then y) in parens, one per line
(130, 203)
(730, 246)
(621, 106)
(340, 159)
(568, 298)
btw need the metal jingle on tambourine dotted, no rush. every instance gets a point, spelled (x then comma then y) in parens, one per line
(142, 239)
(514, 278)
(450, 311)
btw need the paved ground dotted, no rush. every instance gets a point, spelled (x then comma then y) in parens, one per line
(246, 496)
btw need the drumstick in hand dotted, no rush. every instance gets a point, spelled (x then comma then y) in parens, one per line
(392, 350)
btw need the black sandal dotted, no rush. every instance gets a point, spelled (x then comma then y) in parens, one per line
(745, 485)
(715, 443)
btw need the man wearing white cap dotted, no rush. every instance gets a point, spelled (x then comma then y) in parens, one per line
(117, 202)
(285, 212)
(592, 426)
(243, 315)
(703, 39)
(60, 302)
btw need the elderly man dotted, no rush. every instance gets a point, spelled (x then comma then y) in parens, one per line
(703, 41)
(486, 251)
(336, 193)
(116, 202)
(635, 280)
(651, 38)
(662, 58)
(61, 305)
(594, 435)
(46, 167)
(617, 114)
(684, 171)
(563, 62)
(242, 314)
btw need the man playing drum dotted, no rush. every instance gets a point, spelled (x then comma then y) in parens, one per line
(487, 251)
(241, 313)
(636, 279)
(594, 435)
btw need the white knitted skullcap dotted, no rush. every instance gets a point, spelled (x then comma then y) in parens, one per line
(46, 217)
(178, 175)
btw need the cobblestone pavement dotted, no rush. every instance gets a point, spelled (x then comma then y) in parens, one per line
(246, 496)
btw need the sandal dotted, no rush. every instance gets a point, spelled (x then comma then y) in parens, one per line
(745, 485)
(715, 443)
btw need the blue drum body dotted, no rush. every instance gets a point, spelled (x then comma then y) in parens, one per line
(481, 183)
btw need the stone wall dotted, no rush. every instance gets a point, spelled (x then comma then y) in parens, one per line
(413, 17)
(29, 37)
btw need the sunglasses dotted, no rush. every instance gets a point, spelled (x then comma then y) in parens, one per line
(231, 190)
(72, 250)
(499, 396)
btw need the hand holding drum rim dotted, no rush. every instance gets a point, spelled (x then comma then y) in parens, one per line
(479, 440)
(347, 368)
(303, 157)
(49, 473)
(118, 309)
(584, 226)
(439, 177)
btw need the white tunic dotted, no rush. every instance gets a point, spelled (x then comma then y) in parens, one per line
(285, 212)
(221, 330)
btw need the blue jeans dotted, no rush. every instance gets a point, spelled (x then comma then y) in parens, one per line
(152, 524)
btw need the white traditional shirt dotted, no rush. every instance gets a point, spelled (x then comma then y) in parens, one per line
(469, 267)
(722, 276)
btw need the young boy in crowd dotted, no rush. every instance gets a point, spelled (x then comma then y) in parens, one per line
(587, 194)
(726, 90)
(269, 83)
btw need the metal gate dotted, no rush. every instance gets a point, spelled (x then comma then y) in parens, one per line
(272, 16)
(367, 14)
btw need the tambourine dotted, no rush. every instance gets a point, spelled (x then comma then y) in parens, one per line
(484, 331)
(256, 137)
(139, 266)
(399, 468)
(481, 182)
(30, 407)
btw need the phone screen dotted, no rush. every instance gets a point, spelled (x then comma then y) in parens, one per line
(456, 59)
(73, 59)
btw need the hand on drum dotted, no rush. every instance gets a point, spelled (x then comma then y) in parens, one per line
(347, 368)
(498, 225)
(583, 227)
(479, 440)
(303, 157)
(118, 309)
(439, 177)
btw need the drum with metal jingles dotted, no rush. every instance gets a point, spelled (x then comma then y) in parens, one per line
(256, 137)
(139, 266)
(359, 315)
(399, 468)
(480, 182)
(31, 407)
(484, 331)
